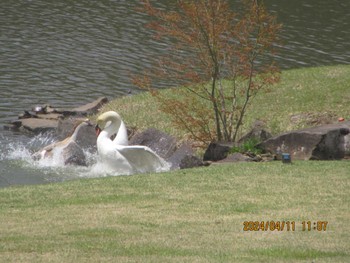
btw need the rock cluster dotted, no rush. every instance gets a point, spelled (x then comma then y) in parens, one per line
(62, 123)
(220, 152)
(46, 118)
(325, 142)
(179, 156)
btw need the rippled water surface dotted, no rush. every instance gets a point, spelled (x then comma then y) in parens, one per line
(67, 53)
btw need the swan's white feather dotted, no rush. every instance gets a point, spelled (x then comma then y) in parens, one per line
(141, 158)
(122, 135)
(118, 155)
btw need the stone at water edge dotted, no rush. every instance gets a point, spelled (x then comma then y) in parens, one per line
(161, 143)
(36, 125)
(166, 147)
(190, 161)
(46, 118)
(184, 158)
(90, 108)
(74, 155)
(236, 157)
(326, 142)
(217, 151)
(86, 137)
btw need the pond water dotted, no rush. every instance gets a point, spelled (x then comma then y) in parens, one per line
(67, 53)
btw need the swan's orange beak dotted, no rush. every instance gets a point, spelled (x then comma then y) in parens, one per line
(98, 130)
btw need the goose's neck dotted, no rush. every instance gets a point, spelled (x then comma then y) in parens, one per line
(76, 131)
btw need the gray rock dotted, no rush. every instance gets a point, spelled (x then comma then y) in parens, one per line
(166, 147)
(325, 142)
(217, 151)
(13, 126)
(36, 125)
(50, 116)
(45, 118)
(86, 136)
(184, 157)
(66, 127)
(90, 108)
(73, 155)
(258, 132)
(26, 115)
(347, 145)
(163, 144)
(236, 157)
(190, 161)
(184, 150)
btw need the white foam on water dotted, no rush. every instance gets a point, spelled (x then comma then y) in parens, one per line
(18, 152)
(23, 152)
(99, 168)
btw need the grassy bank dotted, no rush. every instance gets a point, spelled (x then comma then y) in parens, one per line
(304, 97)
(183, 216)
(196, 215)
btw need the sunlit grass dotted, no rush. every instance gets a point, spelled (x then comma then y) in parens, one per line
(192, 215)
(317, 91)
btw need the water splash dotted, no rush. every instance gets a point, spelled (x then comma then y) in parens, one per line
(16, 158)
(20, 153)
(100, 168)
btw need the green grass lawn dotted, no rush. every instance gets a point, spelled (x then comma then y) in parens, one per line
(318, 92)
(192, 215)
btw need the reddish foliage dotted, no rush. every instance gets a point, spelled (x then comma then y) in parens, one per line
(212, 43)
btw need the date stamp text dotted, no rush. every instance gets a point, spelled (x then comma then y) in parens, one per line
(285, 226)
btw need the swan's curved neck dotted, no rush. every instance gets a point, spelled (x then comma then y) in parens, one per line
(112, 127)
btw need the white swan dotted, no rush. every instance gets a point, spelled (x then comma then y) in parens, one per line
(121, 137)
(119, 157)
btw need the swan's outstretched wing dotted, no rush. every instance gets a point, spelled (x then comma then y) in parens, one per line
(142, 158)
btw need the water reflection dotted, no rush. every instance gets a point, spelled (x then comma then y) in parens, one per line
(315, 32)
(69, 52)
